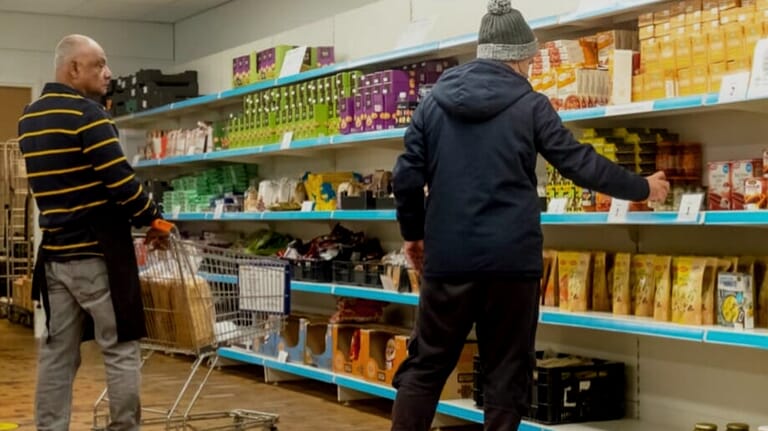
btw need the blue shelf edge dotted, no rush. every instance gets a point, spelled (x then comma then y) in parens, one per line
(606, 323)
(302, 370)
(311, 287)
(401, 53)
(711, 218)
(740, 338)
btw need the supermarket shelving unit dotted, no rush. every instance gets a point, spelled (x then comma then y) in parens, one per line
(679, 374)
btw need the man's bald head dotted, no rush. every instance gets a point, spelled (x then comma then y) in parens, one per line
(80, 63)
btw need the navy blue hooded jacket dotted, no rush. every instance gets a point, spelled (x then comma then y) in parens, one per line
(474, 143)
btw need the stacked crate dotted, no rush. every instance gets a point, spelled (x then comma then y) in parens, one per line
(150, 88)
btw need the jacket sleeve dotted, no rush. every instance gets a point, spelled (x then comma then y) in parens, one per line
(101, 146)
(409, 178)
(581, 163)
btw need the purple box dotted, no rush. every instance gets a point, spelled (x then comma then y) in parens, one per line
(384, 119)
(322, 56)
(367, 80)
(346, 115)
(370, 116)
(429, 71)
(359, 115)
(376, 78)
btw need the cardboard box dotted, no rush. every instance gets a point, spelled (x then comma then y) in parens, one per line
(676, 8)
(382, 350)
(359, 123)
(735, 46)
(684, 82)
(719, 180)
(649, 51)
(662, 16)
(683, 52)
(244, 70)
(346, 349)
(710, 10)
(638, 88)
(270, 61)
(753, 32)
(741, 170)
(318, 347)
(699, 79)
(716, 73)
(321, 56)
(743, 65)
(621, 77)
(693, 17)
(645, 19)
(756, 193)
(664, 29)
(646, 32)
(459, 383)
(667, 53)
(716, 46)
(735, 300)
(729, 4)
(692, 5)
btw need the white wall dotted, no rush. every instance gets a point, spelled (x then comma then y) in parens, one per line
(356, 28)
(27, 42)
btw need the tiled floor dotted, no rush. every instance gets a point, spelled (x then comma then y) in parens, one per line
(302, 406)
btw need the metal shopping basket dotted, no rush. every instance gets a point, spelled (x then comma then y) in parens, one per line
(198, 298)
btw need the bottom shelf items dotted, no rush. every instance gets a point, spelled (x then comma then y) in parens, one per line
(463, 409)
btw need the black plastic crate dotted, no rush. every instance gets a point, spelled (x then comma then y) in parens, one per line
(365, 274)
(363, 202)
(320, 271)
(579, 393)
(385, 203)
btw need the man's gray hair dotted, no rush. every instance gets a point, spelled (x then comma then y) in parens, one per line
(67, 47)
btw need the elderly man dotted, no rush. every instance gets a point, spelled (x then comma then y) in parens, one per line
(86, 270)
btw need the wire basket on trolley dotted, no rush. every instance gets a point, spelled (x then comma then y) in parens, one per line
(197, 298)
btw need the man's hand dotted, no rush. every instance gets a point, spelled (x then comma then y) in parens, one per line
(157, 236)
(658, 186)
(414, 252)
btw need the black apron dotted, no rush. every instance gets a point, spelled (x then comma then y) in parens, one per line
(114, 235)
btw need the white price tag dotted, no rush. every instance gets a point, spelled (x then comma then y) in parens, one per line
(175, 212)
(415, 34)
(218, 211)
(733, 87)
(629, 108)
(618, 211)
(287, 139)
(282, 356)
(307, 206)
(758, 82)
(293, 61)
(136, 159)
(690, 205)
(557, 206)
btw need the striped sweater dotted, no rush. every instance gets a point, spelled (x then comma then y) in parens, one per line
(76, 169)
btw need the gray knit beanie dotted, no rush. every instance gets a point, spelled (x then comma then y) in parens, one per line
(504, 34)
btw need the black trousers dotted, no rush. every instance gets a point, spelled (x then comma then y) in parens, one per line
(506, 314)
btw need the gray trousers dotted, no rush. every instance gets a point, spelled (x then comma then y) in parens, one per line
(74, 289)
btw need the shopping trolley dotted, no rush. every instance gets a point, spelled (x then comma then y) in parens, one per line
(198, 298)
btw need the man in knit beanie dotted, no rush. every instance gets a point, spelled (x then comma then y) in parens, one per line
(477, 239)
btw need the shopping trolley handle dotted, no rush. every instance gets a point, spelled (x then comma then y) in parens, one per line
(163, 226)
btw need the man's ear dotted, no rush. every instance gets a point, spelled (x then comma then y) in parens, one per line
(74, 68)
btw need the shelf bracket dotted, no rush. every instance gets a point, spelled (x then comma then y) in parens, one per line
(274, 376)
(345, 395)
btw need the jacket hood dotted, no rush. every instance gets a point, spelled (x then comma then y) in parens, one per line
(479, 90)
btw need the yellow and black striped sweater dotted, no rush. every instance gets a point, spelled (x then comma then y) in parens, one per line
(76, 168)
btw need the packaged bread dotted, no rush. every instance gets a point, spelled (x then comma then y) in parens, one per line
(687, 285)
(662, 296)
(551, 295)
(709, 287)
(622, 295)
(549, 260)
(642, 284)
(574, 280)
(601, 297)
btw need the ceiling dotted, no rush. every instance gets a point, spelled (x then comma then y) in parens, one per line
(163, 11)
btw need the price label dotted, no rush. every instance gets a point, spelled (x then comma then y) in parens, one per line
(293, 61)
(218, 211)
(629, 108)
(690, 206)
(733, 87)
(287, 139)
(282, 356)
(557, 206)
(307, 206)
(175, 212)
(618, 211)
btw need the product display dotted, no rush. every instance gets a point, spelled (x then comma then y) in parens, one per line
(150, 88)
(687, 48)
(200, 193)
(727, 291)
